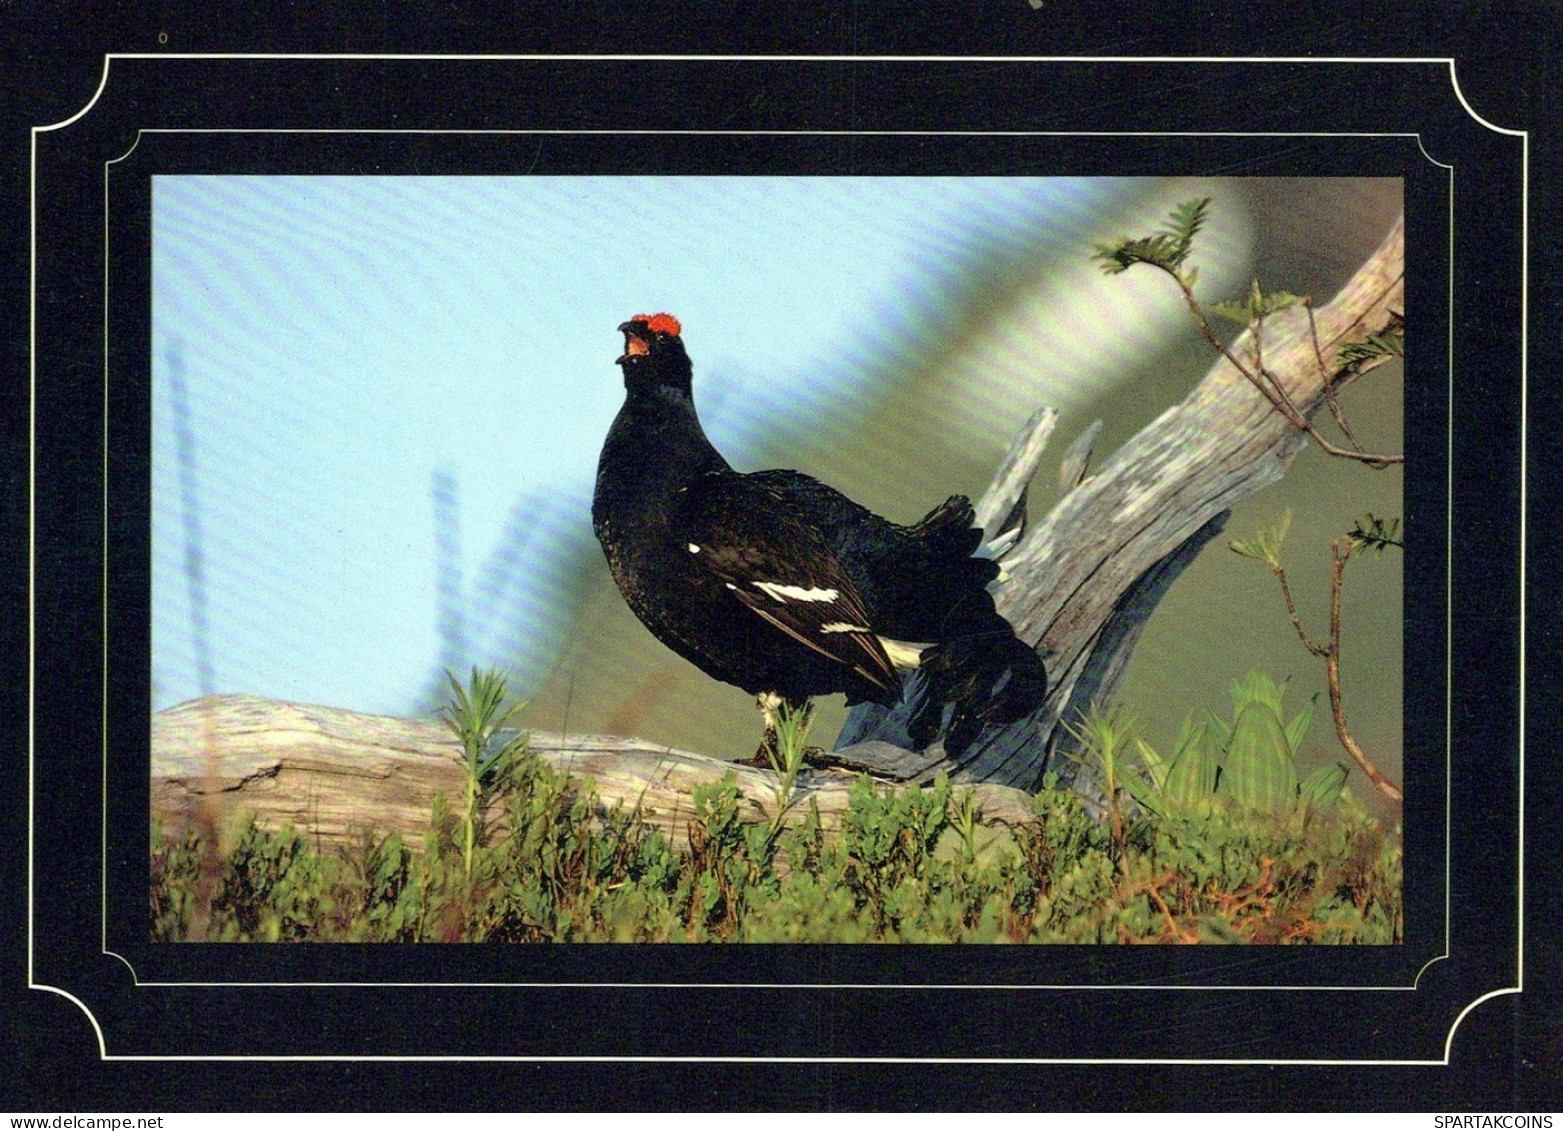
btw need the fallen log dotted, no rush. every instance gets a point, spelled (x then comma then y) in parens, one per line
(333, 774)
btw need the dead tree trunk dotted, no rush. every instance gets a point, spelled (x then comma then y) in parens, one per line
(1083, 582)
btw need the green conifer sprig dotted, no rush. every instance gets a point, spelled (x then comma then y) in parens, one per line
(1167, 248)
(1374, 533)
(1391, 343)
(1257, 306)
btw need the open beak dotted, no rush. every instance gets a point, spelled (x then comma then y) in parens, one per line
(634, 344)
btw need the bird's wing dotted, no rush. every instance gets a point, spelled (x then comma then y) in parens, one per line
(763, 543)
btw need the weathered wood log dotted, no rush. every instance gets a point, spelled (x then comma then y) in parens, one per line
(333, 773)
(1082, 583)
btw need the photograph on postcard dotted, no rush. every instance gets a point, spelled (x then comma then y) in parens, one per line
(1054, 525)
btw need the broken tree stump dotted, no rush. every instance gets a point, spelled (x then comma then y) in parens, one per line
(1082, 583)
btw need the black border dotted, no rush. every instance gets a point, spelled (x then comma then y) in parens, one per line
(1485, 493)
(133, 141)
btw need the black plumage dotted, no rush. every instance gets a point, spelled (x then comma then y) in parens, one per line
(783, 586)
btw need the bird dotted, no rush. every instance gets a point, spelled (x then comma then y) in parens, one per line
(778, 584)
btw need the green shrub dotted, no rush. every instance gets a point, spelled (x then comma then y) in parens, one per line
(568, 871)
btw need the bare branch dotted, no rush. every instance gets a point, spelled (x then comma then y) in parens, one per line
(1342, 551)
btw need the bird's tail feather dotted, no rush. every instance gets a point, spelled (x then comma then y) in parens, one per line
(977, 681)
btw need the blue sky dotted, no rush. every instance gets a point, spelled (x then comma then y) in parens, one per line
(328, 349)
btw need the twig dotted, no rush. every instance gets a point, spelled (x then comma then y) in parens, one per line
(1276, 396)
(1330, 653)
(1291, 609)
(1279, 401)
(1324, 378)
(1152, 889)
(1341, 552)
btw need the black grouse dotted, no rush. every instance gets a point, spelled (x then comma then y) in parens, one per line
(783, 586)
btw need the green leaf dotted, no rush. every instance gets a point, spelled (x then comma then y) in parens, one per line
(1265, 546)
(1232, 310)
(1259, 772)
(1155, 765)
(1167, 248)
(1276, 301)
(1220, 730)
(1147, 789)
(1192, 775)
(1322, 788)
(1255, 306)
(1186, 219)
(1257, 688)
(1158, 251)
(1297, 728)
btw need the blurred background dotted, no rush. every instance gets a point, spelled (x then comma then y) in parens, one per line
(378, 404)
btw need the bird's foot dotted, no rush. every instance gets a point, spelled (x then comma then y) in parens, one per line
(762, 759)
(779, 715)
(816, 756)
